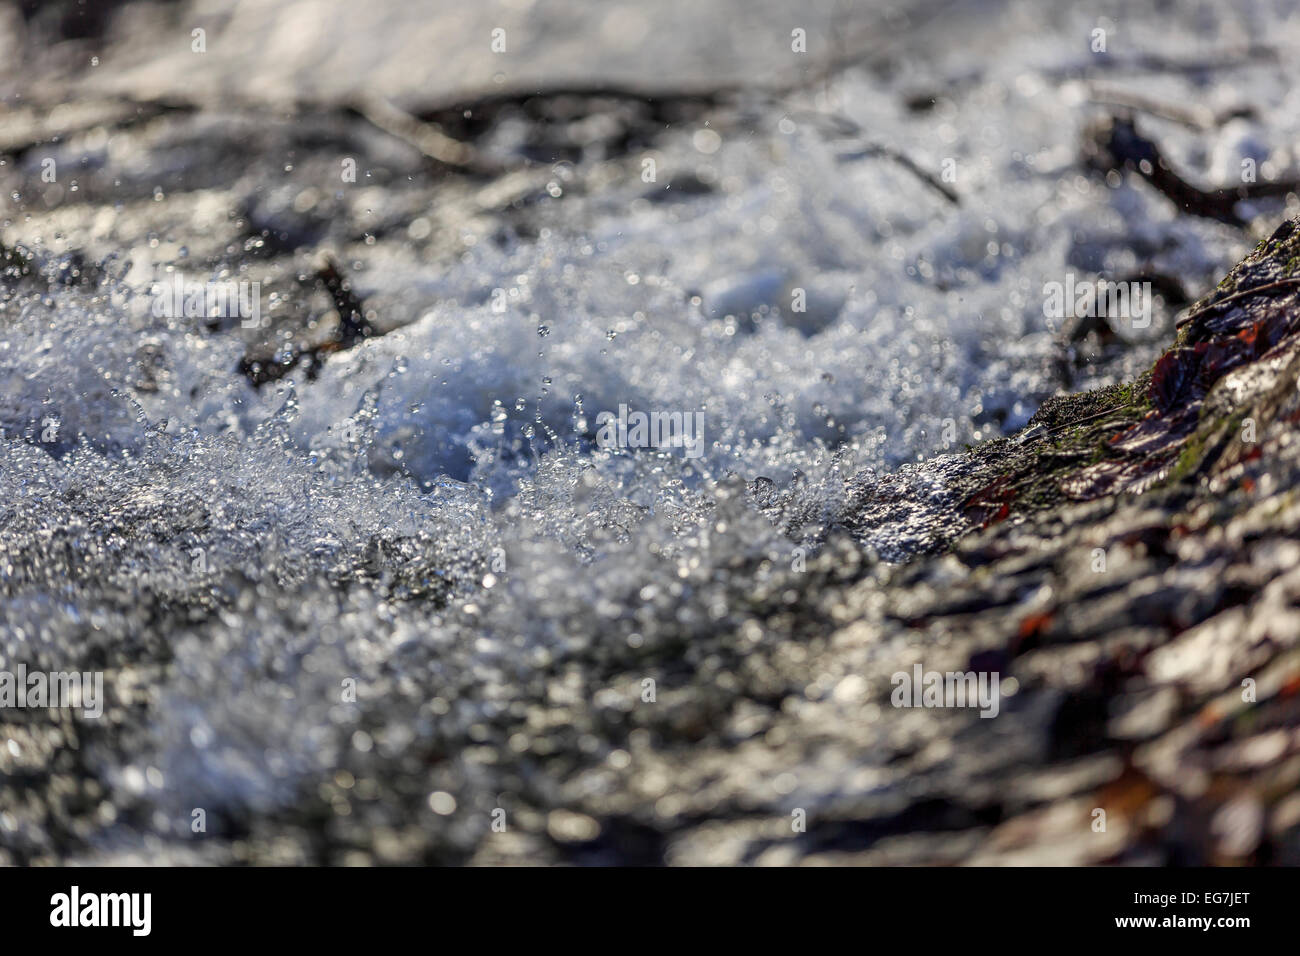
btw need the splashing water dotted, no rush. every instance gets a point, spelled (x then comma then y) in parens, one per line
(432, 516)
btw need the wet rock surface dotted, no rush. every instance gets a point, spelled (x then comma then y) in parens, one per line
(363, 589)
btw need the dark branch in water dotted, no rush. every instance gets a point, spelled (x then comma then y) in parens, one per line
(30, 124)
(352, 321)
(839, 126)
(1236, 59)
(910, 165)
(428, 138)
(1115, 144)
(352, 328)
(1199, 117)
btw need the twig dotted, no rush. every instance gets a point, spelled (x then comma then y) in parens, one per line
(1156, 63)
(353, 327)
(1198, 117)
(425, 137)
(877, 149)
(1119, 146)
(842, 126)
(1211, 306)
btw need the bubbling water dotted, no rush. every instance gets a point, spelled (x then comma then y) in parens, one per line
(432, 517)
